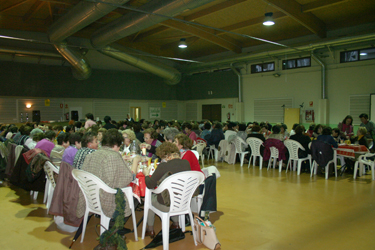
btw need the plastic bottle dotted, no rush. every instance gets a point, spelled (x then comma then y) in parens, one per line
(133, 148)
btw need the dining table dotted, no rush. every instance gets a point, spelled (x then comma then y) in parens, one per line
(352, 151)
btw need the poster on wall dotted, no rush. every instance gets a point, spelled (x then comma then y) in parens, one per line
(155, 112)
(309, 115)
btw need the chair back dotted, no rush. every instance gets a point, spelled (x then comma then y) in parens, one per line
(90, 186)
(321, 152)
(199, 147)
(238, 141)
(255, 144)
(274, 152)
(201, 140)
(181, 187)
(49, 168)
(293, 147)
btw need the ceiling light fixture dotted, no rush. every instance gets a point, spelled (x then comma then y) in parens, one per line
(268, 20)
(28, 105)
(363, 54)
(182, 43)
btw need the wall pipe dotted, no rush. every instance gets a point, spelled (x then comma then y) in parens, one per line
(239, 82)
(323, 74)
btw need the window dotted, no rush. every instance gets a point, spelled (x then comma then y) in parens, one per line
(357, 55)
(262, 67)
(297, 63)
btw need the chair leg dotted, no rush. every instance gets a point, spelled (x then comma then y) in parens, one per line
(274, 162)
(192, 224)
(45, 190)
(335, 166)
(242, 157)
(84, 225)
(373, 171)
(49, 198)
(260, 162)
(145, 214)
(287, 166)
(355, 170)
(35, 195)
(269, 164)
(312, 169)
(299, 167)
(280, 165)
(165, 228)
(104, 220)
(327, 170)
(254, 160)
(248, 166)
(202, 160)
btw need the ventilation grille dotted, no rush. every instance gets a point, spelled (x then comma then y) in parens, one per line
(271, 110)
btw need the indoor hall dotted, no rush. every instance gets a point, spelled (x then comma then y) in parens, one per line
(257, 209)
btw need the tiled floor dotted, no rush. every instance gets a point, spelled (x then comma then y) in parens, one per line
(257, 209)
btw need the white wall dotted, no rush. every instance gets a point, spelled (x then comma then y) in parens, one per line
(304, 86)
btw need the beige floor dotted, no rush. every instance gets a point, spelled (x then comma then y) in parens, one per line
(256, 210)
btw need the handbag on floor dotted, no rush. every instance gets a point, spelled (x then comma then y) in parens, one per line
(205, 234)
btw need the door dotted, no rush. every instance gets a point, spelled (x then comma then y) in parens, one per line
(291, 116)
(135, 113)
(211, 112)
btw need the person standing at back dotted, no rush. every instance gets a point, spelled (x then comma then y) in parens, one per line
(89, 120)
(369, 125)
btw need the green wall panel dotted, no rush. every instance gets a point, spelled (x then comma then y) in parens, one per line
(20, 79)
(31, 80)
(223, 84)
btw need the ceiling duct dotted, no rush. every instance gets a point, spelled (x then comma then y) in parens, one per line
(171, 75)
(152, 13)
(136, 21)
(80, 16)
(81, 68)
(28, 52)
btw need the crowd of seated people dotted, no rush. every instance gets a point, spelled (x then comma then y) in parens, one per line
(103, 148)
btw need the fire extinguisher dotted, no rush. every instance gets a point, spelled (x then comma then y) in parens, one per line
(67, 116)
(228, 116)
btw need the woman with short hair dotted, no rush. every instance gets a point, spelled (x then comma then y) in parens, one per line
(171, 162)
(184, 144)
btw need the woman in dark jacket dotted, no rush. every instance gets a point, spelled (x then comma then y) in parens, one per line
(303, 139)
(216, 135)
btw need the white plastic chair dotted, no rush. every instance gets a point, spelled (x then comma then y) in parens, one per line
(90, 186)
(181, 187)
(195, 153)
(293, 147)
(34, 194)
(334, 161)
(213, 151)
(255, 144)
(238, 141)
(363, 161)
(275, 157)
(199, 148)
(49, 169)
